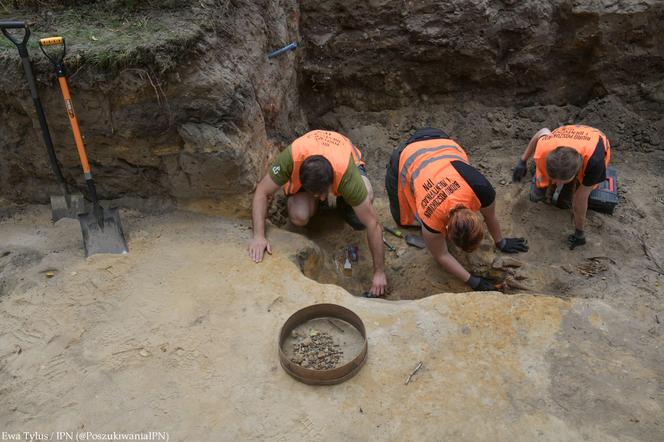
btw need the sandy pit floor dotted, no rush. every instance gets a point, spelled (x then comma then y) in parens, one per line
(180, 336)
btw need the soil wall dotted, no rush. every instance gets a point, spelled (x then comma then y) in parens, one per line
(203, 128)
(205, 125)
(385, 54)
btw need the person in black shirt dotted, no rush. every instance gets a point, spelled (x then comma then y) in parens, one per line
(574, 158)
(430, 183)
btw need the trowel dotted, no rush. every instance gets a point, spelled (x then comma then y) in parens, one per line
(415, 241)
(348, 267)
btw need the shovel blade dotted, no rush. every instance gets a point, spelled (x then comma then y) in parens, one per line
(105, 237)
(67, 206)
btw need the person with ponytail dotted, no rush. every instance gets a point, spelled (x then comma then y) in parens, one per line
(431, 184)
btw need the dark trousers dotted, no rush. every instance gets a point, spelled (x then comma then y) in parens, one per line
(392, 172)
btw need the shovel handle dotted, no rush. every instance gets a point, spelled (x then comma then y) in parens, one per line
(12, 24)
(80, 146)
(69, 105)
(73, 121)
(57, 58)
(27, 67)
(20, 44)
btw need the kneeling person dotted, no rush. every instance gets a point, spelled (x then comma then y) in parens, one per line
(567, 156)
(430, 183)
(316, 164)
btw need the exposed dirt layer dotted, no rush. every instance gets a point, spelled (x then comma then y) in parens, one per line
(180, 335)
(176, 102)
(388, 54)
(178, 99)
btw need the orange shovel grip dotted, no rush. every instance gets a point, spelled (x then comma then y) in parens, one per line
(49, 41)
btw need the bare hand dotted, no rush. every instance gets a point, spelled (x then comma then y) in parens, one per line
(378, 285)
(257, 248)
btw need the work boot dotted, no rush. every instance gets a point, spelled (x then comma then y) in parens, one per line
(563, 196)
(348, 214)
(536, 194)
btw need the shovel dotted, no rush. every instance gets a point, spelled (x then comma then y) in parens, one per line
(62, 206)
(101, 229)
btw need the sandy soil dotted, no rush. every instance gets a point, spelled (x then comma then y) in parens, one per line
(180, 335)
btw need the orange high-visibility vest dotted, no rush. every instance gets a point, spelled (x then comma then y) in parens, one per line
(336, 149)
(583, 139)
(429, 186)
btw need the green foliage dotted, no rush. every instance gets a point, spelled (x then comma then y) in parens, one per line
(109, 35)
(109, 5)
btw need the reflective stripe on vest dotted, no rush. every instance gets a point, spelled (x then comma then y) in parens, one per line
(429, 161)
(411, 159)
(425, 163)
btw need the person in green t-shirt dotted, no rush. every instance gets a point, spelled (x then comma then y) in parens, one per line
(316, 164)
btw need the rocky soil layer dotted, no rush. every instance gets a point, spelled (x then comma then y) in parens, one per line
(386, 54)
